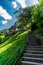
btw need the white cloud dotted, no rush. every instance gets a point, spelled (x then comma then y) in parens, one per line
(31, 2)
(35, 2)
(14, 4)
(4, 22)
(22, 2)
(4, 14)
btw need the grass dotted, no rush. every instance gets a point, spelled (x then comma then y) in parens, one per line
(11, 48)
(9, 39)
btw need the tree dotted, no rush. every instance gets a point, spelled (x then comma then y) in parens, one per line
(33, 16)
(37, 17)
(24, 18)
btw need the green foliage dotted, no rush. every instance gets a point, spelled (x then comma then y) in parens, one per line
(12, 48)
(37, 16)
(33, 15)
(1, 38)
(24, 18)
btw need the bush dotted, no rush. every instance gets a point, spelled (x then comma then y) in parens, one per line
(1, 39)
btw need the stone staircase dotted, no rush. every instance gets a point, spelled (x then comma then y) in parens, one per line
(33, 55)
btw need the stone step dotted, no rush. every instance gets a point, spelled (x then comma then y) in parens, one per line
(39, 60)
(39, 49)
(37, 52)
(33, 55)
(34, 46)
(34, 49)
(30, 63)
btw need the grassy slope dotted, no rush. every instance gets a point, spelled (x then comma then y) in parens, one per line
(12, 47)
(9, 39)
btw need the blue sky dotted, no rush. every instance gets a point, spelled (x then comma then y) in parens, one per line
(7, 8)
